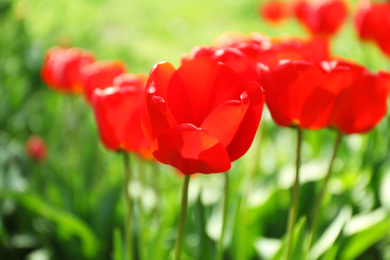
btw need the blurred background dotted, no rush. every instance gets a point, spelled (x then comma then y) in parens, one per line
(70, 205)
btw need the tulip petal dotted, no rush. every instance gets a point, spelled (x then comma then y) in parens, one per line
(249, 124)
(118, 115)
(191, 150)
(198, 87)
(158, 113)
(225, 120)
(160, 76)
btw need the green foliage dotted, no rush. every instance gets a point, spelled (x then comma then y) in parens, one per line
(71, 206)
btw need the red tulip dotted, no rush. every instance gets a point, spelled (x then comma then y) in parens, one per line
(322, 17)
(201, 116)
(373, 23)
(100, 74)
(274, 11)
(118, 112)
(229, 56)
(262, 49)
(315, 49)
(363, 103)
(301, 94)
(236, 39)
(36, 148)
(61, 69)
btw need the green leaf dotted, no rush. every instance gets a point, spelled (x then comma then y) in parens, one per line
(299, 241)
(117, 245)
(68, 224)
(330, 235)
(364, 232)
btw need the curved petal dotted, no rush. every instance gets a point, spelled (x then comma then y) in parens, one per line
(191, 150)
(317, 109)
(118, 116)
(159, 76)
(109, 134)
(100, 74)
(198, 87)
(249, 124)
(159, 117)
(225, 120)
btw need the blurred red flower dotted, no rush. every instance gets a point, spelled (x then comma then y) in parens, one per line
(362, 103)
(201, 116)
(62, 67)
(372, 22)
(232, 57)
(118, 111)
(262, 49)
(100, 74)
(323, 17)
(36, 148)
(274, 11)
(301, 94)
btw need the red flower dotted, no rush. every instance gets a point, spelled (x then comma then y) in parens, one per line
(61, 69)
(229, 56)
(36, 148)
(315, 49)
(100, 74)
(301, 94)
(118, 112)
(261, 49)
(363, 103)
(274, 11)
(201, 117)
(322, 17)
(373, 23)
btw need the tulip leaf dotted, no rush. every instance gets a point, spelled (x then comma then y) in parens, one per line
(358, 242)
(68, 224)
(117, 245)
(299, 239)
(331, 233)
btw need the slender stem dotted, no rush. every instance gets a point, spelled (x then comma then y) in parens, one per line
(182, 220)
(128, 221)
(295, 197)
(156, 187)
(259, 135)
(141, 217)
(320, 198)
(224, 214)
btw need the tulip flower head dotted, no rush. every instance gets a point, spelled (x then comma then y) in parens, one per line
(301, 94)
(36, 148)
(372, 22)
(118, 111)
(201, 116)
(100, 74)
(274, 11)
(262, 49)
(232, 57)
(324, 17)
(62, 67)
(360, 105)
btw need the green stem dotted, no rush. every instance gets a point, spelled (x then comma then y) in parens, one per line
(182, 220)
(156, 187)
(128, 220)
(295, 197)
(320, 198)
(224, 214)
(142, 228)
(259, 135)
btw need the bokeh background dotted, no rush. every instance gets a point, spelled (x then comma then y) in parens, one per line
(71, 206)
